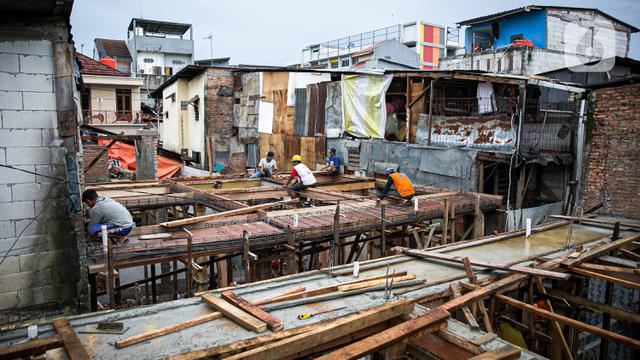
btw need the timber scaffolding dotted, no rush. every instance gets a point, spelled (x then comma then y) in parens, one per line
(446, 302)
(335, 232)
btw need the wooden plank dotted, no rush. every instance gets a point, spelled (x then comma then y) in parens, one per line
(571, 322)
(596, 221)
(273, 323)
(618, 261)
(471, 320)
(600, 250)
(433, 320)
(608, 268)
(613, 279)
(369, 283)
(336, 329)
(236, 315)
(496, 266)
(222, 215)
(72, 344)
(506, 352)
(30, 348)
(436, 195)
(327, 289)
(631, 254)
(191, 323)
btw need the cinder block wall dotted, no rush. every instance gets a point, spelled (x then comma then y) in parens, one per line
(39, 272)
(613, 166)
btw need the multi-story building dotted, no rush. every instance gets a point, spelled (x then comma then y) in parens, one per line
(537, 39)
(115, 51)
(158, 50)
(431, 42)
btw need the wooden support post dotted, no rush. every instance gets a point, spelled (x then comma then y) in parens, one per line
(453, 222)
(336, 238)
(430, 125)
(245, 256)
(189, 273)
(147, 294)
(212, 279)
(445, 224)
(291, 241)
(455, 291)
(154, 294)
(556, 325)
(72, 344)
(109, 286)
(383, 231)
(174, 287)
(93, 292)
(478, 223)
(606, 318)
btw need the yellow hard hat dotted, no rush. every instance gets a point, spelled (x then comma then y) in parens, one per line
(296, 158)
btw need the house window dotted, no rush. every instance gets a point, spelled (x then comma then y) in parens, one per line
(499, 65)
(196, 109)
(334, 64)
(345, 63)
(157, 70)
(123, 104)
(85, 101)
(168, 70)
(488, 64)
(515, 38)
(195, 156)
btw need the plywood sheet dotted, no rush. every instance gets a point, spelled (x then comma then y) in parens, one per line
(275, 143)
(308, 151)
(417, 108)
(272, 81)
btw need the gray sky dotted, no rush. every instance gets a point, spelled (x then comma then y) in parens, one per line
(273, 32)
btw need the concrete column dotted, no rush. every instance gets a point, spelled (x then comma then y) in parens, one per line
(146, 155)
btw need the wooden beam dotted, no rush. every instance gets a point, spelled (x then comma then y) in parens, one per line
(433, 320)
(336, 329)
(471, 320)
(600, 250)
(488, 265)
(609, 269)
(615, 312)
(613, 279)
(631, 254)
(506, 352)
(370, 283)
(30, 348)
(595, 221)
(556, 325)
(571, 322)
(273, 323)
(222, 215)
(236, 315)
(72, 344)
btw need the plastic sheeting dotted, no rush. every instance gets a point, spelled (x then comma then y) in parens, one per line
(126, 154)
(364, 106)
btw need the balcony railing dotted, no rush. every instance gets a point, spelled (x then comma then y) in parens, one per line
(107, 117)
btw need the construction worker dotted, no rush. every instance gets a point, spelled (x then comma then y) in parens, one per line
(401, 184)
(333, 164)
(106, 211)
(267, 167)
(301, 174)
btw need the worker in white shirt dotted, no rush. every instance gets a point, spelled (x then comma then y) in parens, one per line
(267, 167)
(302, 175)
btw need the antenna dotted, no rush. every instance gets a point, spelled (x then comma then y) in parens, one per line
(140, 5)
(210, 37)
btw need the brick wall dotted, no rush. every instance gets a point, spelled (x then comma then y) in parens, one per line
(41, 267)
(613, 166)
(100, 170)
(220, 120)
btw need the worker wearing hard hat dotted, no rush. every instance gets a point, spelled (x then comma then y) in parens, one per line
(401, 184)
(301, 174)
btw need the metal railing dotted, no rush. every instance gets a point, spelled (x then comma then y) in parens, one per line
(107, 117)
(354, 43)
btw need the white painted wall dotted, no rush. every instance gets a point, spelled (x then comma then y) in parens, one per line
(170, 127)
(147, 66)
(195, 133)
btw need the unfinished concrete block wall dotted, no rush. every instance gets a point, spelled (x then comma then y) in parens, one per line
(39, 257)
(613, 170)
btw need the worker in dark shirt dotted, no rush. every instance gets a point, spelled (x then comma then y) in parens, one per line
(333, 164)
(401, 184)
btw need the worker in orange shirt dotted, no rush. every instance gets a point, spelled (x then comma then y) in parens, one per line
(401, 184)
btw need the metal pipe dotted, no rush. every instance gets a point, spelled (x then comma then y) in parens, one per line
(579, 153)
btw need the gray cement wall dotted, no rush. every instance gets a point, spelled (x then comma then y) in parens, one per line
(39, 256)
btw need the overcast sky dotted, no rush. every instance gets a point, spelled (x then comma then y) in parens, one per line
(273, 32)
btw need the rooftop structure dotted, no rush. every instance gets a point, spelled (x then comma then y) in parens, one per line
(537, 39)
(116, 50)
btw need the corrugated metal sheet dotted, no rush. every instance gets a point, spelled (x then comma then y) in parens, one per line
(489, 133)
(300, 114)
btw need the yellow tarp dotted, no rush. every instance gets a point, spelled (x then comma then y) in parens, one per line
(364, 112)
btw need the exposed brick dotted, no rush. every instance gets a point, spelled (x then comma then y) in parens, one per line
(613, 169)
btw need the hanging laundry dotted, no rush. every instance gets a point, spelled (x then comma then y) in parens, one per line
(486, 98)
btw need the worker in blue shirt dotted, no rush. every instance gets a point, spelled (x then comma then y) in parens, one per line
(333, 164)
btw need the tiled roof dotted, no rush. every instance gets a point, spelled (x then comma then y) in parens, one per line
(88, 66)
(116, 49)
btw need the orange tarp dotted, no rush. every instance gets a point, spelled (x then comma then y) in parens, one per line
(126, 154)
